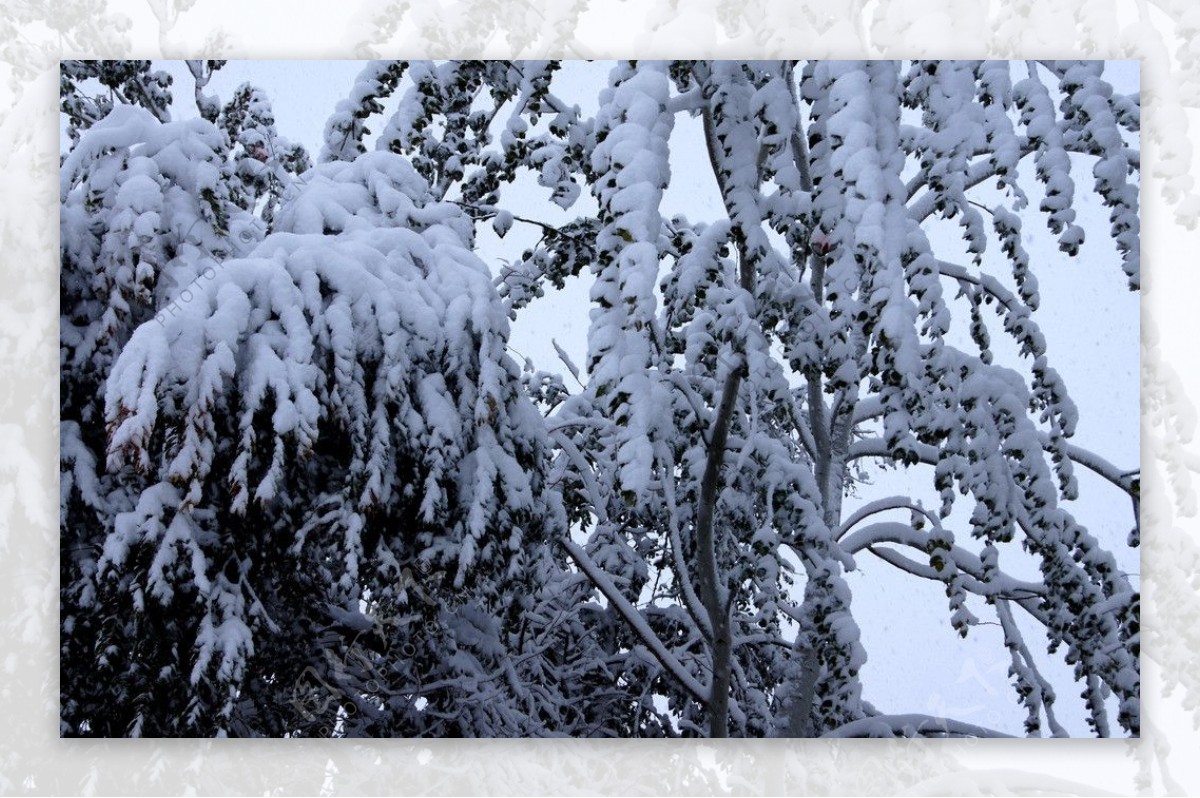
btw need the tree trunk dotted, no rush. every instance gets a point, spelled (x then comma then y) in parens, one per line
(712, 591)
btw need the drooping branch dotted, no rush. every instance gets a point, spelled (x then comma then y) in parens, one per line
(1041, 694)
(974, 578)
(978, 172)
(694, 605)
(926, 454)
(912, 725)
(986, 282)
(880, 506)
(636, 622)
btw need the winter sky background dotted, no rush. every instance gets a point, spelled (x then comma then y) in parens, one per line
(1090, 319)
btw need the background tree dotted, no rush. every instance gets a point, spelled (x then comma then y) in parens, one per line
(336, 482)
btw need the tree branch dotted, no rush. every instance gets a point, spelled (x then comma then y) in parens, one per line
(1045, 693)
(635, 621)
(928, 455)
(986, 282)
(883, 505)
(969, 565)
(911, 725)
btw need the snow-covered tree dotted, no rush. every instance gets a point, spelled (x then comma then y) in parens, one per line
(308, 490)
(145, 210)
